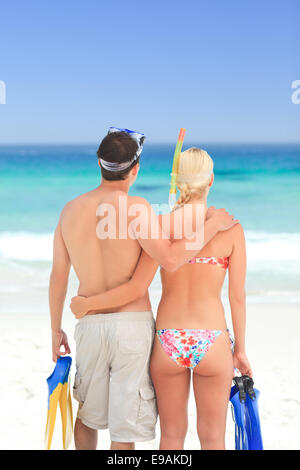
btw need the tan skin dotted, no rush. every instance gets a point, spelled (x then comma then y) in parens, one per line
(75, 244)
(191, 298)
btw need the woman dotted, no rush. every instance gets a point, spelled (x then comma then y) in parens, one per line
(191, 333)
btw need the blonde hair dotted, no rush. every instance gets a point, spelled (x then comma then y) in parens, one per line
(194, 174)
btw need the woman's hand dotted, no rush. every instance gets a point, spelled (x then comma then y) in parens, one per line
(79, 306)
(240, 362)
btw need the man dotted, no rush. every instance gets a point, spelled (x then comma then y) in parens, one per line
(112, 382)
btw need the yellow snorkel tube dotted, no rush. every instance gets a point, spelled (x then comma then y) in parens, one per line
(172, 193)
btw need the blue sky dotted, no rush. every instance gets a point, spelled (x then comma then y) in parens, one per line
(222, 69)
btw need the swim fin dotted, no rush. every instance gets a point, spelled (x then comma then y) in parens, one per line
(238, 400)
(59, 392)
(252, 416)
(244, 400)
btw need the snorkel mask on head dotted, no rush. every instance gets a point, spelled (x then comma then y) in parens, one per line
(139, 137)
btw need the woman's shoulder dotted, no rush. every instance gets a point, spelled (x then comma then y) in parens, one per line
(234, 237)
(234, 233)
(223, 242)
(236, 230)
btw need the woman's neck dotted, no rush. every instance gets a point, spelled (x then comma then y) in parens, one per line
(199, 200)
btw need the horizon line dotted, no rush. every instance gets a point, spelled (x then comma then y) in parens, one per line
(254, 142)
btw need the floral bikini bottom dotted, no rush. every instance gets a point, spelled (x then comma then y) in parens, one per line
(186, 347)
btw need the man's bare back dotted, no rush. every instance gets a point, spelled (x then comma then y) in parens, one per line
(100, 264)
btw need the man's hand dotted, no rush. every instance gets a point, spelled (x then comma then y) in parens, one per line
(59, 339)
(223, 219)
(78, 306)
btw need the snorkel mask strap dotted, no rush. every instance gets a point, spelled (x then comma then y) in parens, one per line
(139, 138)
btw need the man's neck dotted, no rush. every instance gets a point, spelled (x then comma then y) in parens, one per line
(120, 185)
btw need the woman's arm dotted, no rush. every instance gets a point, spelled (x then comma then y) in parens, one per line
(237, 298)
(135, 288)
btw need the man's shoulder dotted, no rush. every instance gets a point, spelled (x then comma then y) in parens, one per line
(138, 200)
(75, 204)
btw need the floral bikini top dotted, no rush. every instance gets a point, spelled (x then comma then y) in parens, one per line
(221, 262)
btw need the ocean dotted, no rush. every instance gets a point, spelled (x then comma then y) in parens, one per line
(258, 183)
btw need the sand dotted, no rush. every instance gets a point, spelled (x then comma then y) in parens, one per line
(273, 348)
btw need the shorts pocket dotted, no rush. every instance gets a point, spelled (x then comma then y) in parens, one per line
(147, 414)
(77, 388)
(78, 333)
(75, 331)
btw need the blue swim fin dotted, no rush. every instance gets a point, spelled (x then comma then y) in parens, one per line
(238, 402)
(59, 392)
(252, 416)
(244, 400)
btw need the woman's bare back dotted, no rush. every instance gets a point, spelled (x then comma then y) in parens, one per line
(191, 296)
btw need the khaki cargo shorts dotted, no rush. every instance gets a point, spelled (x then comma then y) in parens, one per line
(112, 381)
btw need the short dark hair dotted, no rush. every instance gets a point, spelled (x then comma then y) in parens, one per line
(117, 147)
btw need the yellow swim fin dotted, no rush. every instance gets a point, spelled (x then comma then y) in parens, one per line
(59, 392)
(65, 404)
